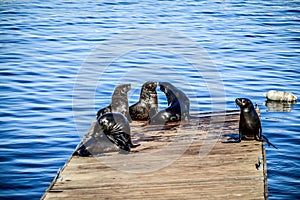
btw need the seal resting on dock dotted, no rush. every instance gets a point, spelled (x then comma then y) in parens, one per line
(119, 102)
(113, 127)
(178, 102)
(275, 95)
(147, 105)
(249, 125)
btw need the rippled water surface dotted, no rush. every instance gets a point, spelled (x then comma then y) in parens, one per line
(60, 61)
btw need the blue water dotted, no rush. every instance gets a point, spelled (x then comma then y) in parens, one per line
(44, 45)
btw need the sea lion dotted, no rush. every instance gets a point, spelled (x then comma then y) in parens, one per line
(95, 146)
(119, 102)
(250, 125)
(178, 102)
(147, 105)
(113, 127)
(275, 95)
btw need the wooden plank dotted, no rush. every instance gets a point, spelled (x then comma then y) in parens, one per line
(178, 161)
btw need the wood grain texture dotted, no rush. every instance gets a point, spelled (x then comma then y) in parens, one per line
(178, 161)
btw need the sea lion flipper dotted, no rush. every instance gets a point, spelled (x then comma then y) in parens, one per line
(240, 135)
(232, 141)
(265, 139)
(121, 142)
(134, 145)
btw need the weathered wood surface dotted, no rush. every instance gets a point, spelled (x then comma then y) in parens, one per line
(185, 161)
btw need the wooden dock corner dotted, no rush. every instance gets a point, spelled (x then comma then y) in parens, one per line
(177, 161)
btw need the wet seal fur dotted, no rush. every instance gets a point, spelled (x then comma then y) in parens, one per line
(249, 125)
(178, 102)
(110, 127)
(147, 105)
(119, 102)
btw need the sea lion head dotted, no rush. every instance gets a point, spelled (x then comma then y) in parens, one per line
(244, 103)
(164, 86)
(122, 89)
(148, 92)
(169, 91)
(149, 86)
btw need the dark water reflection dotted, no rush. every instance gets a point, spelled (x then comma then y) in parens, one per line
(277, 106)
(254, 45)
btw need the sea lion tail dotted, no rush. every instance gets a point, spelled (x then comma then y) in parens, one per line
(265, 139)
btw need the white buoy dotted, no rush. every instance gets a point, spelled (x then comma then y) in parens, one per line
(276, 95)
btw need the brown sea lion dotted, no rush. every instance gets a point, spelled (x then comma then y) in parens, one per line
(147, 105)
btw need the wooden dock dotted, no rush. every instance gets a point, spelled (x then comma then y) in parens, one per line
(177, 161)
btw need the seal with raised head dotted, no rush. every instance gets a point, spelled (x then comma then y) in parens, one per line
(119, 102)
(249, 124)
(147, 105)
(113, 127)
(178, 102)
